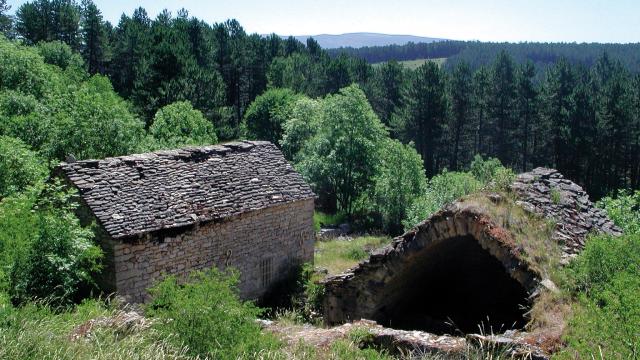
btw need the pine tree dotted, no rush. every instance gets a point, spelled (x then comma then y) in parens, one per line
(480, 108)
(527, 103)
(386, 89)
(94, 37)
(559, 107)
(502, 108)
(461, 94)
(424, 114)
(6, 22)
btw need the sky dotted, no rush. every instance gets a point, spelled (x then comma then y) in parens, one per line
(489, 20)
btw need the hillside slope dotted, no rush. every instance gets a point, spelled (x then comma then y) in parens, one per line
(361, 39)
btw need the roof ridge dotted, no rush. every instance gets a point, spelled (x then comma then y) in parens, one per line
(219, 149)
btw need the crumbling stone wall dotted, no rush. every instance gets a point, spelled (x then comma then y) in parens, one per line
(263, 245)
(368, 290)
(546, 192)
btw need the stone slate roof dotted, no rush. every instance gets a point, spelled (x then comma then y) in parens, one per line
(143, 193)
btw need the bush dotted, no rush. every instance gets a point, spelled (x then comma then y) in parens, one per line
(179, 124)
(624, 210)
(36, 331)
(60, 54)
(19, 167)
(61, 260)
(485, 170)
(17, 224)
(300, 127)
(267, 114)
(606, 284)
(441, 189)
(206, 315)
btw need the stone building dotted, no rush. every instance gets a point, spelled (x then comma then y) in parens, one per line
(239, 205)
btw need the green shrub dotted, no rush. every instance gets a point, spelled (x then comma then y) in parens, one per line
(556, 196)
(267, 114)
(606, 315)
(61, 259)
(624, 210)
(441, 189)
(19, 167)
(485, 170)
(206, 315)
(179, 124)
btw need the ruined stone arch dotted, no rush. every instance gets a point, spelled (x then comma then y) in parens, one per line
(461, 264)
(459, 243)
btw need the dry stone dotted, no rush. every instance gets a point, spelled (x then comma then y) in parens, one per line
(239, 205)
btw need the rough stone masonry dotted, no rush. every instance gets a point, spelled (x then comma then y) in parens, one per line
(239, 205)
(462, 247)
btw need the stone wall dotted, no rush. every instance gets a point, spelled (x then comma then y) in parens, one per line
(368, 290)
(263, 245)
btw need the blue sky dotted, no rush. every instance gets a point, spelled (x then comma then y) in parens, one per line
(489, 20)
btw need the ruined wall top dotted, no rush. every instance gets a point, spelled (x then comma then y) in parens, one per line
(138, 194)
(547, 193)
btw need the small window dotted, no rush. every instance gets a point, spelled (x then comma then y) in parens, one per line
(266, 271)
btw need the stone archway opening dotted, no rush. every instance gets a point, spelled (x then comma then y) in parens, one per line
(456, 287)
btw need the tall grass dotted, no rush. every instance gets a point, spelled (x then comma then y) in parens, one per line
(36, 332)
(339, 255)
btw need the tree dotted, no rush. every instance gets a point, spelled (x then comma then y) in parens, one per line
(19, 167)
(265, 117)
(131, 53)
(558, 109)
(300, 127)
(341, 159)
(424, 113)
(502, 108)
(461, 93)
(94, 43)
(481, 97)
(60, 54)
(400, 180)
(179, 124)
(386, 98)
(92, 122)
(49, 20)
(6, 22)
(527, 108)
(614, 119)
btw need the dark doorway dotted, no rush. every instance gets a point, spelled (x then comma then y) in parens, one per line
(458, 287)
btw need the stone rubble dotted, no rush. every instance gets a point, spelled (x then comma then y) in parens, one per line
(546, 192)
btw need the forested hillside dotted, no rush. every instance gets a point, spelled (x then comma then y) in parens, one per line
(477, 53)
(580, 114)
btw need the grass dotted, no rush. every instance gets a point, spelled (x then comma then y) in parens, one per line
(339, 255)
(36, 332)
(532, 233)
(414, 64)
(322, 219)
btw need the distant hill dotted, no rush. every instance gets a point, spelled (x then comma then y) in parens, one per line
(362, 39)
